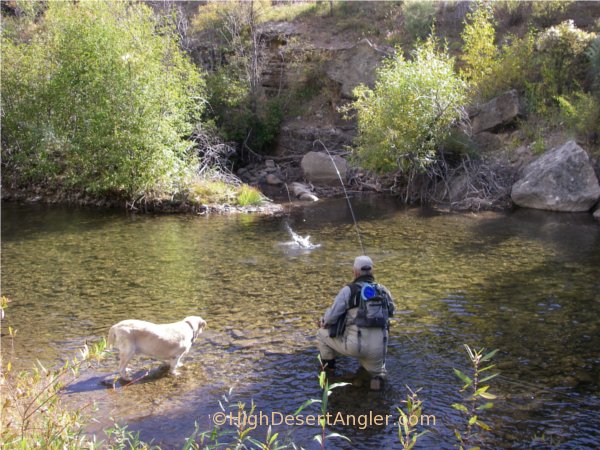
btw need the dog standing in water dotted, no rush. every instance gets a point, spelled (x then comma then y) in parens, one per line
(168, 342)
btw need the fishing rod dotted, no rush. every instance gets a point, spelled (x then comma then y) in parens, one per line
(346, 194)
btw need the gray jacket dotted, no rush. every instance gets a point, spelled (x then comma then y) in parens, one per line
(341, 305)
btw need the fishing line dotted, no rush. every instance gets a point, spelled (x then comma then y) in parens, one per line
(346, 194)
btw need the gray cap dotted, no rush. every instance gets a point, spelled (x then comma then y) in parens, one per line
(363, 264)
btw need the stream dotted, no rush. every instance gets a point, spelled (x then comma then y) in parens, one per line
(525, 282)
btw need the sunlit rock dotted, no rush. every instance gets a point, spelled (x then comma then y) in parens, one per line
(273, 180)
(562, 179)
(497, 113)
(356, 65)
(319, 168)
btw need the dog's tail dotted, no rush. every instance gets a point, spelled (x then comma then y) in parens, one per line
(110, 342)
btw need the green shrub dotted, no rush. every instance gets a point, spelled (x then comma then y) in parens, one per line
(514, 66)
(237, 102)
(418, 17)
(248, 195)
(545, 13)
(414, 104)
(32, 413)
(561, 59)
(209, 191)
(480, 54)
(593, 54)
(99, 99)
(580, 111)
(241, 117)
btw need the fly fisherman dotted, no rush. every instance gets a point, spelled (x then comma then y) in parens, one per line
(357, 323)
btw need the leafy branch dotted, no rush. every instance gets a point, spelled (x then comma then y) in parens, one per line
(478, 395)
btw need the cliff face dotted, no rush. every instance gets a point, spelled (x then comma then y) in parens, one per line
(314, 60)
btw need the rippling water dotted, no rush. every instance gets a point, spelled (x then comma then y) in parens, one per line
(527, 283)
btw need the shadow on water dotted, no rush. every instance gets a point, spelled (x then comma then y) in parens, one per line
(525, 282)
(32, 221)
(571, 233)
(285, 382)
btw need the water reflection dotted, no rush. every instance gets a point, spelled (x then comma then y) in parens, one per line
(527, 283)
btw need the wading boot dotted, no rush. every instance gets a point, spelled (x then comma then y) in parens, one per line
(328, 365)
(377, 384)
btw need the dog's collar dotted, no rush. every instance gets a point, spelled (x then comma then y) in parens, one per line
(193, 331)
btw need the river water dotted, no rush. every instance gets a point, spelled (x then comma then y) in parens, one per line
(526, 282)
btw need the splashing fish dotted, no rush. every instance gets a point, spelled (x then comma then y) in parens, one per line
(300, 241)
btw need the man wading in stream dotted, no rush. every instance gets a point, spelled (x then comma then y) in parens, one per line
(357, 323)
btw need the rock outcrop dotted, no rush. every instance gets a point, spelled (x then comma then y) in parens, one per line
(319, 168)
(497, 113)
(356, 65)
(562, 179)
(298, 138)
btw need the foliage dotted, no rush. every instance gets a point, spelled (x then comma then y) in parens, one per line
(580, 111)
(326, 390)
(407, 432)
(31, 411)
(480, 54)
(211, 190)
(478, 397)
(208, 191)
(561, 61)
(248, 195)
(100, 99)
(242, 419)
(120, 438)
(593, 55)
(545, 13)
(289, 11)
(237, 100)
(418, 17)
(540, 14)
(410, 111)
(493, 70)
(513, 68)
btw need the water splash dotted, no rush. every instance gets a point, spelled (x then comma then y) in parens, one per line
(298, 241)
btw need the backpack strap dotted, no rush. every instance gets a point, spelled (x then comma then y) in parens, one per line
(355, 289)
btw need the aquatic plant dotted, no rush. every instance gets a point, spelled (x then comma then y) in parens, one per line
(242, 417)
(326, 392)
(31, 411)
(478, 395)
(407, 430)
(120, 438)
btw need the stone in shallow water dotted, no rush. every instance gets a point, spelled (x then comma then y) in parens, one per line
(238, 334)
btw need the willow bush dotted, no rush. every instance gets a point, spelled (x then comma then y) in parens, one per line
(479, 52)
(100, 99)
(410, 111)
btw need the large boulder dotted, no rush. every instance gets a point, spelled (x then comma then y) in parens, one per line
(497, 113)
(319, 168)
(562, 179)
(356, 65)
